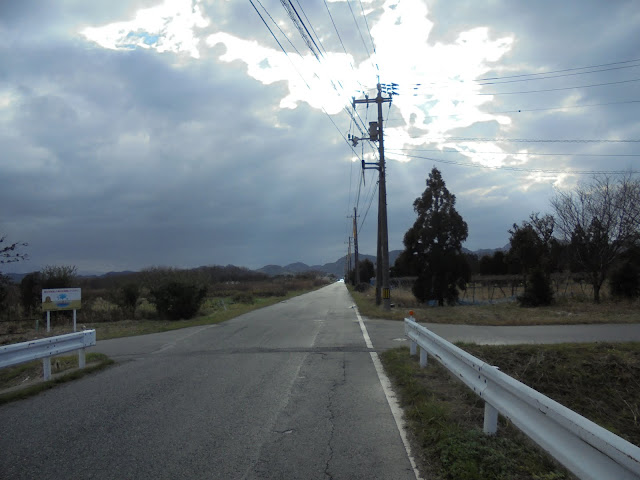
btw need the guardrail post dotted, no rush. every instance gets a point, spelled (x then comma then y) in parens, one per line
(81, 358)
(423, 357)
(46, 368)
(490, 419)
(412, 347)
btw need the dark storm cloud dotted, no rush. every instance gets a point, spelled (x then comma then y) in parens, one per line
(117, 159)
(154, 164)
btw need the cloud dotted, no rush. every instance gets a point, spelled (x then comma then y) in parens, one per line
(168, 27)
(179, 133)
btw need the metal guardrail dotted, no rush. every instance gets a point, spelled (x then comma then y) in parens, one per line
(46, 348)
(586, 449)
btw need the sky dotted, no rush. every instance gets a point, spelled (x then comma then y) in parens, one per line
(185, 133)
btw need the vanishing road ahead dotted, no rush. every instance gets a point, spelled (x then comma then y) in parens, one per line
(287, 392)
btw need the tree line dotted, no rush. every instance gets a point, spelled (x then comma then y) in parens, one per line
(174, 293)
(594, 230)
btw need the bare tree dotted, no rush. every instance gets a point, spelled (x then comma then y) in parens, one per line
(601, 219)
(10, 253)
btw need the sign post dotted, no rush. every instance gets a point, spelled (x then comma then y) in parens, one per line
(56, 299)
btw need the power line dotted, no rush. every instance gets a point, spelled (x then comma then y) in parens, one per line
(563, 88)
(278, 26)
(369, 30)
(522, 140)
(521, 169)
(300, 25)
(302, 29)
(563, 108)
(417, 89)
(271, 31)
(298, 72)
(557, 76)
(373, 195)
(518, 153)
(311, 25)
(522, 110)
(560, 71)
(359, 31)
(336, 28)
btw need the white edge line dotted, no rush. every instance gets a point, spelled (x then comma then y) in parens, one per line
(392, 400)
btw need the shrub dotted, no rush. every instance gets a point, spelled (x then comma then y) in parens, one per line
(243, 298)
(625, 282)
(54, 276)
(177, 300)
(31, 292)
(538, 291)
(128, 297)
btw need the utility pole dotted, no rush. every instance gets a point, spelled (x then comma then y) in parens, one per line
(355, 245)
(383, 295)
(348, 263)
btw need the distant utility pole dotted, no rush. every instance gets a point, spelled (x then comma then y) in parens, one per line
(355, 245)
(348, 263)
(382, 262)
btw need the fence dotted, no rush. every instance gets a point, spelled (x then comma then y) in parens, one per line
(586, 449)
(46, 348)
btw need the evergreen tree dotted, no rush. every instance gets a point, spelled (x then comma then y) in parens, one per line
(433, 245)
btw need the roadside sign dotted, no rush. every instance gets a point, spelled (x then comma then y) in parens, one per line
(54, 299)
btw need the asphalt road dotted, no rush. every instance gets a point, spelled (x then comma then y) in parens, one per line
(286, 392)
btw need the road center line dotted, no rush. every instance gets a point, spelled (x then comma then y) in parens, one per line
(396, 411)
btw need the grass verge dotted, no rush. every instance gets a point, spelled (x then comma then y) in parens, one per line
(215, 312)
(564, 312)
(599, 381)
(127, 328)
(64, 368)
(445, 421)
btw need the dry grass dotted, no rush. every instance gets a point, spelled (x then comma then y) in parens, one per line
(25, 380)
(598, 381)
(445, 422)
(212, 312)
(565, 311)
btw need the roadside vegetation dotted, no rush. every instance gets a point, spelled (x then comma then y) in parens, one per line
(25, 380)
(445, 418)
(500, 310)
(154, 300)
(587, 250)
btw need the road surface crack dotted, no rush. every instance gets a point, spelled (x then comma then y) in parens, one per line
(331, 407)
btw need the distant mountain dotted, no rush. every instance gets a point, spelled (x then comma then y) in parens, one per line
(487, 252)
(336, 268)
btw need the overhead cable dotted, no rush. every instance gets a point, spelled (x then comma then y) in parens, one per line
(522, 140)
(517, 153)
(522, 169)
(563, 88)
(555, 76)
(560, 71)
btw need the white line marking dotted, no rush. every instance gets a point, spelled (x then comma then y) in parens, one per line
(392, 400)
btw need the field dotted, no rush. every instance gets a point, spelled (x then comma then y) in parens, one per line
(102, 311)
(494, 305)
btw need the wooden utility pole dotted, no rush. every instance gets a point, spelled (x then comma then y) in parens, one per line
(383, 292)
(355, 244)
(348, 263)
